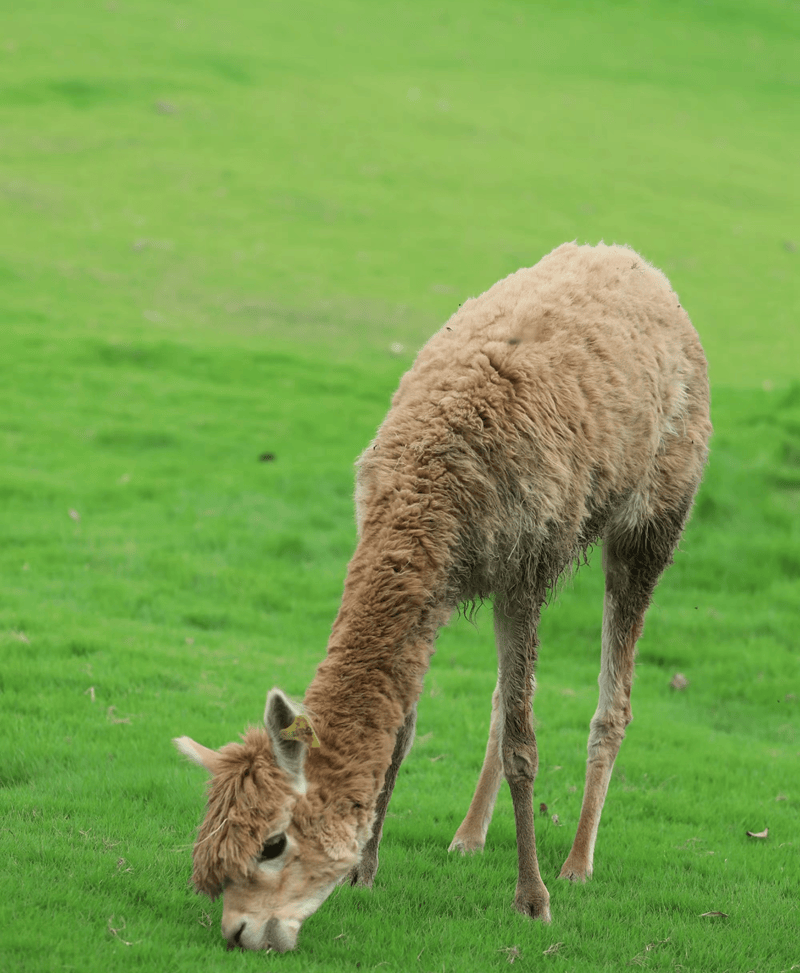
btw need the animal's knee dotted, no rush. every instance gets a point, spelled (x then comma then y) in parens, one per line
(608, 728)
(520, 762)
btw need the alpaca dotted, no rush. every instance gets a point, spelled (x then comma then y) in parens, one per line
(567, 405)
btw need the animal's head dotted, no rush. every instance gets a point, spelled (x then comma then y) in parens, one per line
(275, 841)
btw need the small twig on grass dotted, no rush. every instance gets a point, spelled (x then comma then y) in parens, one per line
(116, 719)
(512, 953)
(711, 915)
(758, 834)
(552, 950)
(640, 957)
(116, 932)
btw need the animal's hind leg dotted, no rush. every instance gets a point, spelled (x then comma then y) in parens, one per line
(364, 871)
(471, 834)
(632, 570)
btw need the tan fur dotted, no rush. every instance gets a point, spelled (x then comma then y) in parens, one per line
(567, 404)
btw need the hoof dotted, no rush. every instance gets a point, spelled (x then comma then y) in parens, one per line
(466, 844)
(574, 873)
(535, 907)
(363, 874)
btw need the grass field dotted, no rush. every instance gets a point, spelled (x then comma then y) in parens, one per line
(225, 229)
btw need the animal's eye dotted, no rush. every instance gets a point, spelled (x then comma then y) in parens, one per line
(273, 848)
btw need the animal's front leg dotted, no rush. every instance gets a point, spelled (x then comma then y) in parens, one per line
(532, 897)
(520, 763)
(515, 632)
(364, 871)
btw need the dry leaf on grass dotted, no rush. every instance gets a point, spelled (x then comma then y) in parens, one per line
(758, 834)
(679, 681)
(512, 953)
(543, 808)
(710, 915)
(75, 515)
(555, 821)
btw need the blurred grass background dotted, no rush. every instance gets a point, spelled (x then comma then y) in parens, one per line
(224, 232)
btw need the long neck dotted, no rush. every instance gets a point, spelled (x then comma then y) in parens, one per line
(379, 651)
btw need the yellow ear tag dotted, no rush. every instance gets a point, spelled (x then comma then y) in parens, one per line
(300, 729)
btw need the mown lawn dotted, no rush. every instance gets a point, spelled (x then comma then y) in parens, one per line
(224, 232)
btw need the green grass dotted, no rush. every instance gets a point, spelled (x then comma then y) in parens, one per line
(215, 221)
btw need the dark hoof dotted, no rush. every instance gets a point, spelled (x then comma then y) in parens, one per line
(533, 908)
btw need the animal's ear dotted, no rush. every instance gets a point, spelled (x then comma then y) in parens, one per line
(291, 733)
(199, 754)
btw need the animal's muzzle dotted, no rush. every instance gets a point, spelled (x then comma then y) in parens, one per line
(242, 933)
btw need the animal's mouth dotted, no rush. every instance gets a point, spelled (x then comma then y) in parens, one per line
(281, 937)
(234, 947)
(275, 938)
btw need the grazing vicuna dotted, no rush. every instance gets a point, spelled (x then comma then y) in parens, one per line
(566, 405)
